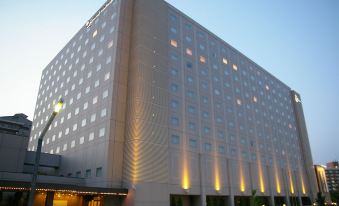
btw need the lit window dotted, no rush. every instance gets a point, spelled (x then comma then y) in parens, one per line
(95, 100)
(235, 67)
(189, 51)
(83, 123)
(108, 60)
(87, 89)
(96, 84)
(91, 136)
(238, 101)
(85, 105)
(101, 132)
(224, 60)
(76, 111)
(95, 33)
(174, 43)
(107, 76)
(267, 87)
(65, 147)
(174, 30)
(98, 67)
(202, 59)
(175, 139)
(72, 143)
(93, 116)
(254, 99)
(110, 44)
(103, 112)
(105, 94)
(82, 139)
(75, 126)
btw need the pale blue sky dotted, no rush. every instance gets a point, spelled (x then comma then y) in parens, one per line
(297, 41)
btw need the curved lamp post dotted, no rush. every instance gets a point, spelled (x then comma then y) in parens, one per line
(56, 110)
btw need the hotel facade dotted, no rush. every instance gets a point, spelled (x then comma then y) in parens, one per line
(157, 104)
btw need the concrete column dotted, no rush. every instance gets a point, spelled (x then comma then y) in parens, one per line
(202, 181)
(300, 200)
(231, 200)
(49, 199)
(272, 203)
(287, 200)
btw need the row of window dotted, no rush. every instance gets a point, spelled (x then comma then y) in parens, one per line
(88, 173)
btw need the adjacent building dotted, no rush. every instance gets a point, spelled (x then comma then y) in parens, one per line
(332, 175)
(157, 104)
(16, 166)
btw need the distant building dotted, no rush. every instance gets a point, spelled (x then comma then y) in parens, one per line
(17, 125)
(16, 166)
(332, 175)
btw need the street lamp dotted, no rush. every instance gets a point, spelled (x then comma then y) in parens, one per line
(56, 110)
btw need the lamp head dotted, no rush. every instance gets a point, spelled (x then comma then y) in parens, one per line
(58, 106)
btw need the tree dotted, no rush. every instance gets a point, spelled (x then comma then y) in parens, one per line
(254, 198)
(335, 196)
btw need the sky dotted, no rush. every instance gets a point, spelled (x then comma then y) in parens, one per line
(296, 41)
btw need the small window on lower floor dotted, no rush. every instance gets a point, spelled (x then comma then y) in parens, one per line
(78, 174)
(88, 173)
(175, 139)
(99, 172)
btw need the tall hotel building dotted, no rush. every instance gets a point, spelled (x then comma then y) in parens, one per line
(159, 105)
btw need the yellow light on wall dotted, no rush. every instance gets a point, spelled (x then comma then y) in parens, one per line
(242, 180)
(185, 171)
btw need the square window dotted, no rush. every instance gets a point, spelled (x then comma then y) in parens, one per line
(235, 68)
(102, 132)
(103, 112)
(193, 143)
(202, 59)
(174, 43)
(93, 116)
(99, 172)
(189, 51)
(88, 173)
(81, 140)
(95, 33)
(175, 139)
(91, 136)
(73, 144)
(224, 60)
(105, 94)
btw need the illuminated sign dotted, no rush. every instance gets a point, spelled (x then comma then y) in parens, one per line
(97, 14)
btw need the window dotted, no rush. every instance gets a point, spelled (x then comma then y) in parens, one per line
(78, 174)
(81, 140)
(95, 33)
(189, 51)
(105, 94)
(208, 147)
(88, 173)
(175, 139)
(75, 126)
(191, 109)
(174, 87)
(173, 30)
(174, 43)
(85, 105)
(83, 122)
(235, 67)
(101, 132)
(64, 147)
(95, 100)
(76, 111)
(174, 104)
(175, 121)
(238, 101)
(224, 60)
(93, 117)
(73, 144)
(255, 99)
(99, 172)
(88, 89)
(91, 136)
(110, 44)
(103, 112)
(221, 149)
(202, 59)
(107, 76)
(96, 84)
(193, 143)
